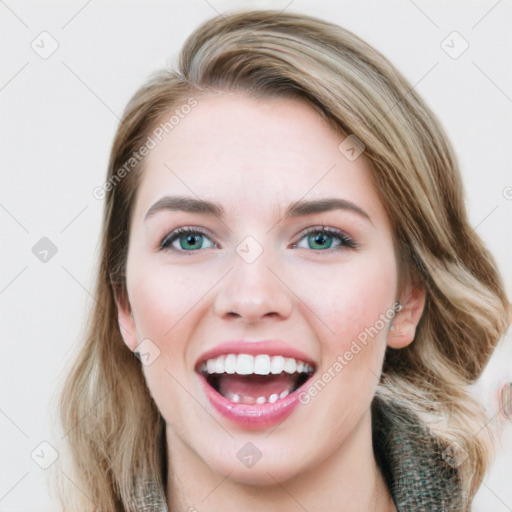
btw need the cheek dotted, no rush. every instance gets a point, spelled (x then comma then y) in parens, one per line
(164, 298)
(166, 303)
(355, 298)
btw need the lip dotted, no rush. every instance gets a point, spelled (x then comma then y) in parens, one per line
(254, 416)
(254, 348)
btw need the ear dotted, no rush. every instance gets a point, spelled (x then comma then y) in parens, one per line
(126, 320)
(405, 321)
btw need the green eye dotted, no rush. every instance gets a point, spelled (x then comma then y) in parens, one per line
(189, 240)
(325, 238)
(320, 241)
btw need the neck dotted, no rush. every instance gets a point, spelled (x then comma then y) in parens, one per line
(348, 480)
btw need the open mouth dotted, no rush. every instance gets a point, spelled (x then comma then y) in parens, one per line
(247, 379)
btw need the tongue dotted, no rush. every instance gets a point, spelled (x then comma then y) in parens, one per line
(256, 385)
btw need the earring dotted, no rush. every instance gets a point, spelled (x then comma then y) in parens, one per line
(398, 307)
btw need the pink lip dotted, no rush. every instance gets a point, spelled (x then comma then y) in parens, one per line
(255, 416)
(270, 347)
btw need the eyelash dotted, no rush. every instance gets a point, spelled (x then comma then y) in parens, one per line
(346, 242)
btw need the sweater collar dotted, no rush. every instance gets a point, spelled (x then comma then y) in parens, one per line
(410, 458)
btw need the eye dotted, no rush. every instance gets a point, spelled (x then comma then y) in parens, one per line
(323, 238)
(188, 239)
(319, 238)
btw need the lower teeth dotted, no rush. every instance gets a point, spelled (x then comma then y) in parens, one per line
(249, 400)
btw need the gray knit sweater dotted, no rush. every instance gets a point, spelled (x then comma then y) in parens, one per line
(410, 459)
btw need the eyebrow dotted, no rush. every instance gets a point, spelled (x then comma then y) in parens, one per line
(296, 209)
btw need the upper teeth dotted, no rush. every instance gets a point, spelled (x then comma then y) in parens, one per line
(262, 364)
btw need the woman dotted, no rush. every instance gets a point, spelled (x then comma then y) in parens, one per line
(291, 302)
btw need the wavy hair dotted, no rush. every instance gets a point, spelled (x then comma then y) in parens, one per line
(111, 424)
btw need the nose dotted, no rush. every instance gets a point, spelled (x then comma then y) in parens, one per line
(253, 292)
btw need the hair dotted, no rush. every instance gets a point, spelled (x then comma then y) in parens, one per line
(110, 421)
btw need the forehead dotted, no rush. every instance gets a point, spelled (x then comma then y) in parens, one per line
(252, 154)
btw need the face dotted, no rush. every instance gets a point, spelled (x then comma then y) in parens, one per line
(283, 289)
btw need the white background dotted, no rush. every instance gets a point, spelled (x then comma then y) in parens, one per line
(59, 116)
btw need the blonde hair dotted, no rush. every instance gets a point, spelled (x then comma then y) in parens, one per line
(112, 425)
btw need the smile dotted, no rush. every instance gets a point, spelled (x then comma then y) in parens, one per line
(254, 390)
